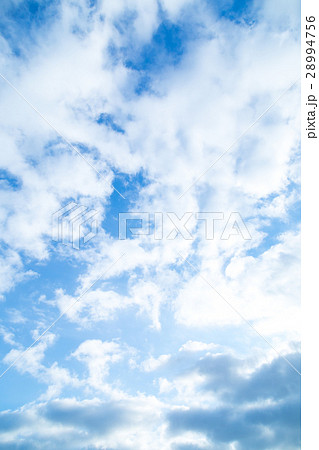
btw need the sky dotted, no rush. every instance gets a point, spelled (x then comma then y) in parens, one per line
(176, 112)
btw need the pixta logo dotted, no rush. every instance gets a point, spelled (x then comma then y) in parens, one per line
(169, 225)
(74, 225)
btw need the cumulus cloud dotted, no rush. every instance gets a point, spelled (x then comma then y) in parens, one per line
(157, 96)
(98, 356)
(196, 346)
(154, 363)
(258, 411)
(12, 270)
(261, 292)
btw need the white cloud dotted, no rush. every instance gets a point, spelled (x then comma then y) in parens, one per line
(15, 316)
(264, 289)
(196, 346)
(191, 114)
(98, 356)
(174, 136)
(12, 270)
(31, 362)
(151, 364)
(173, 9)
(7, 336)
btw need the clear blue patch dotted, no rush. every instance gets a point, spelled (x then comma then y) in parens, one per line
(18, 389)
(277, 227)
(129, 186)
(19, 23)
(9, 181)
(125, 23)
(92, 3)
(108, 120)
(238, 11)
(144, 84)
(166, 48)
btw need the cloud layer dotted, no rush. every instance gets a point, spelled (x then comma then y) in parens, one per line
(181, 106)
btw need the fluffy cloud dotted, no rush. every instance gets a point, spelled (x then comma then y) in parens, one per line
(260, 409)
(155, 96)
(154, 363)
(264, 289)
(31, 362)
(98, 356)
(12, 270)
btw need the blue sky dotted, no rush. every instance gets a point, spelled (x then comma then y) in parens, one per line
(154, 355)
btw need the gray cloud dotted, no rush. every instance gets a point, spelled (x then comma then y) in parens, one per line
(260, 411)
(99, 419)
